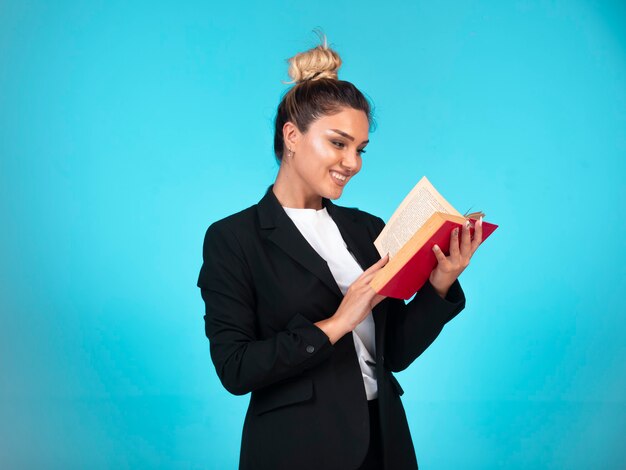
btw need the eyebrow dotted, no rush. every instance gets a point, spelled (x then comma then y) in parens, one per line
(346, 135)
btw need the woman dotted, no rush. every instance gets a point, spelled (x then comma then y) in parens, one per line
(290, 314)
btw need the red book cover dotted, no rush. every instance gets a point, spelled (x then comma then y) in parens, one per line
(412, 276)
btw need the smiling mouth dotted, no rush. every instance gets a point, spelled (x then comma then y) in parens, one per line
(339, 178)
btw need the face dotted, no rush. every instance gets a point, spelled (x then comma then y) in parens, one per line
(328, 155)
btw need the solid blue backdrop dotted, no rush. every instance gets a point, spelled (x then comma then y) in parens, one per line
(127, 128)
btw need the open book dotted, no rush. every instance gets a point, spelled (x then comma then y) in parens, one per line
(423, 219)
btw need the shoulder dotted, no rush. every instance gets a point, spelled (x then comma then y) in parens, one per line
(235, 222)
(222, 252)
(229, 230)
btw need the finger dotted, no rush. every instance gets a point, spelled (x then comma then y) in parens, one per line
(466, 242)
(377, 265)
(454, 243)
(478, 234)
(441, 257)
(365, 278)
(362, 290)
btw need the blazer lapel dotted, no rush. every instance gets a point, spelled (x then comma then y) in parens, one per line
(354, 235)
(277, 227)
(366, 254)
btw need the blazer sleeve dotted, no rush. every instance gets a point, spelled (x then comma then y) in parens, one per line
(243, 361)
(412, 327)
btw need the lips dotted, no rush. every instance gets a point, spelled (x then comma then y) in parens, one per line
(339, 178)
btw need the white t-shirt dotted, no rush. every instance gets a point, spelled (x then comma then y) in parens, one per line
(322, 233)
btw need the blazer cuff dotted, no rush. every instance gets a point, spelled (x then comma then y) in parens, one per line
(449, 307)
(314, 345)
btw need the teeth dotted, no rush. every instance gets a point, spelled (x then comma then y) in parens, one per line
(338, 175)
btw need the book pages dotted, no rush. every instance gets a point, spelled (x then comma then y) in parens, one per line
(416, 208)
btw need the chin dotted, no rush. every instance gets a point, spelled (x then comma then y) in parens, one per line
(334, 194)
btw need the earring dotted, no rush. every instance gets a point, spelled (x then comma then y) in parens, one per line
(290, 154)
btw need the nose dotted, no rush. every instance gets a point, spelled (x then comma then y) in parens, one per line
(350, 162)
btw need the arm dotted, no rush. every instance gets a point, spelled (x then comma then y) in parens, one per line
(242, 361)
(412, 327)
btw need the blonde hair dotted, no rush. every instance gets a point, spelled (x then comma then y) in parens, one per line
(316, 92)
(318, 62)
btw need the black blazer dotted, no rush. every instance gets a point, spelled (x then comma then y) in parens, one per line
(264, 287)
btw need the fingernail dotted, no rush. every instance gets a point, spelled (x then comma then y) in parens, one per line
(436, 247)
(456, 231)
(480, 220)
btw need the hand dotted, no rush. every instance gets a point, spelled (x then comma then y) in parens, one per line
(359, 300)
(450, 267)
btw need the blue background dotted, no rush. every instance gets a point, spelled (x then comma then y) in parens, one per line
(125, 130)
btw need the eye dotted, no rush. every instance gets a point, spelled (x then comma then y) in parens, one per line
(341, 145)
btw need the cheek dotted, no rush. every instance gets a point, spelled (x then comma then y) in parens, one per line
(321, 151)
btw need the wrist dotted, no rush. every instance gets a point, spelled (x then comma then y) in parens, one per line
(333, 328)
(442, 292)
(441, 287)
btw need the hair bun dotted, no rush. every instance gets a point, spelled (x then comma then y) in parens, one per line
(318, 62)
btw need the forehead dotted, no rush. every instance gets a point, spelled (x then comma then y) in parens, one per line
(351, 121)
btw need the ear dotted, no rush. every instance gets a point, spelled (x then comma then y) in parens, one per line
(291, 135)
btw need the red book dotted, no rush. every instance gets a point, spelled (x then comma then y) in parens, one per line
(423, 219)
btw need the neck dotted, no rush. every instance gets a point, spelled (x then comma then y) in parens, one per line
(292, 192)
